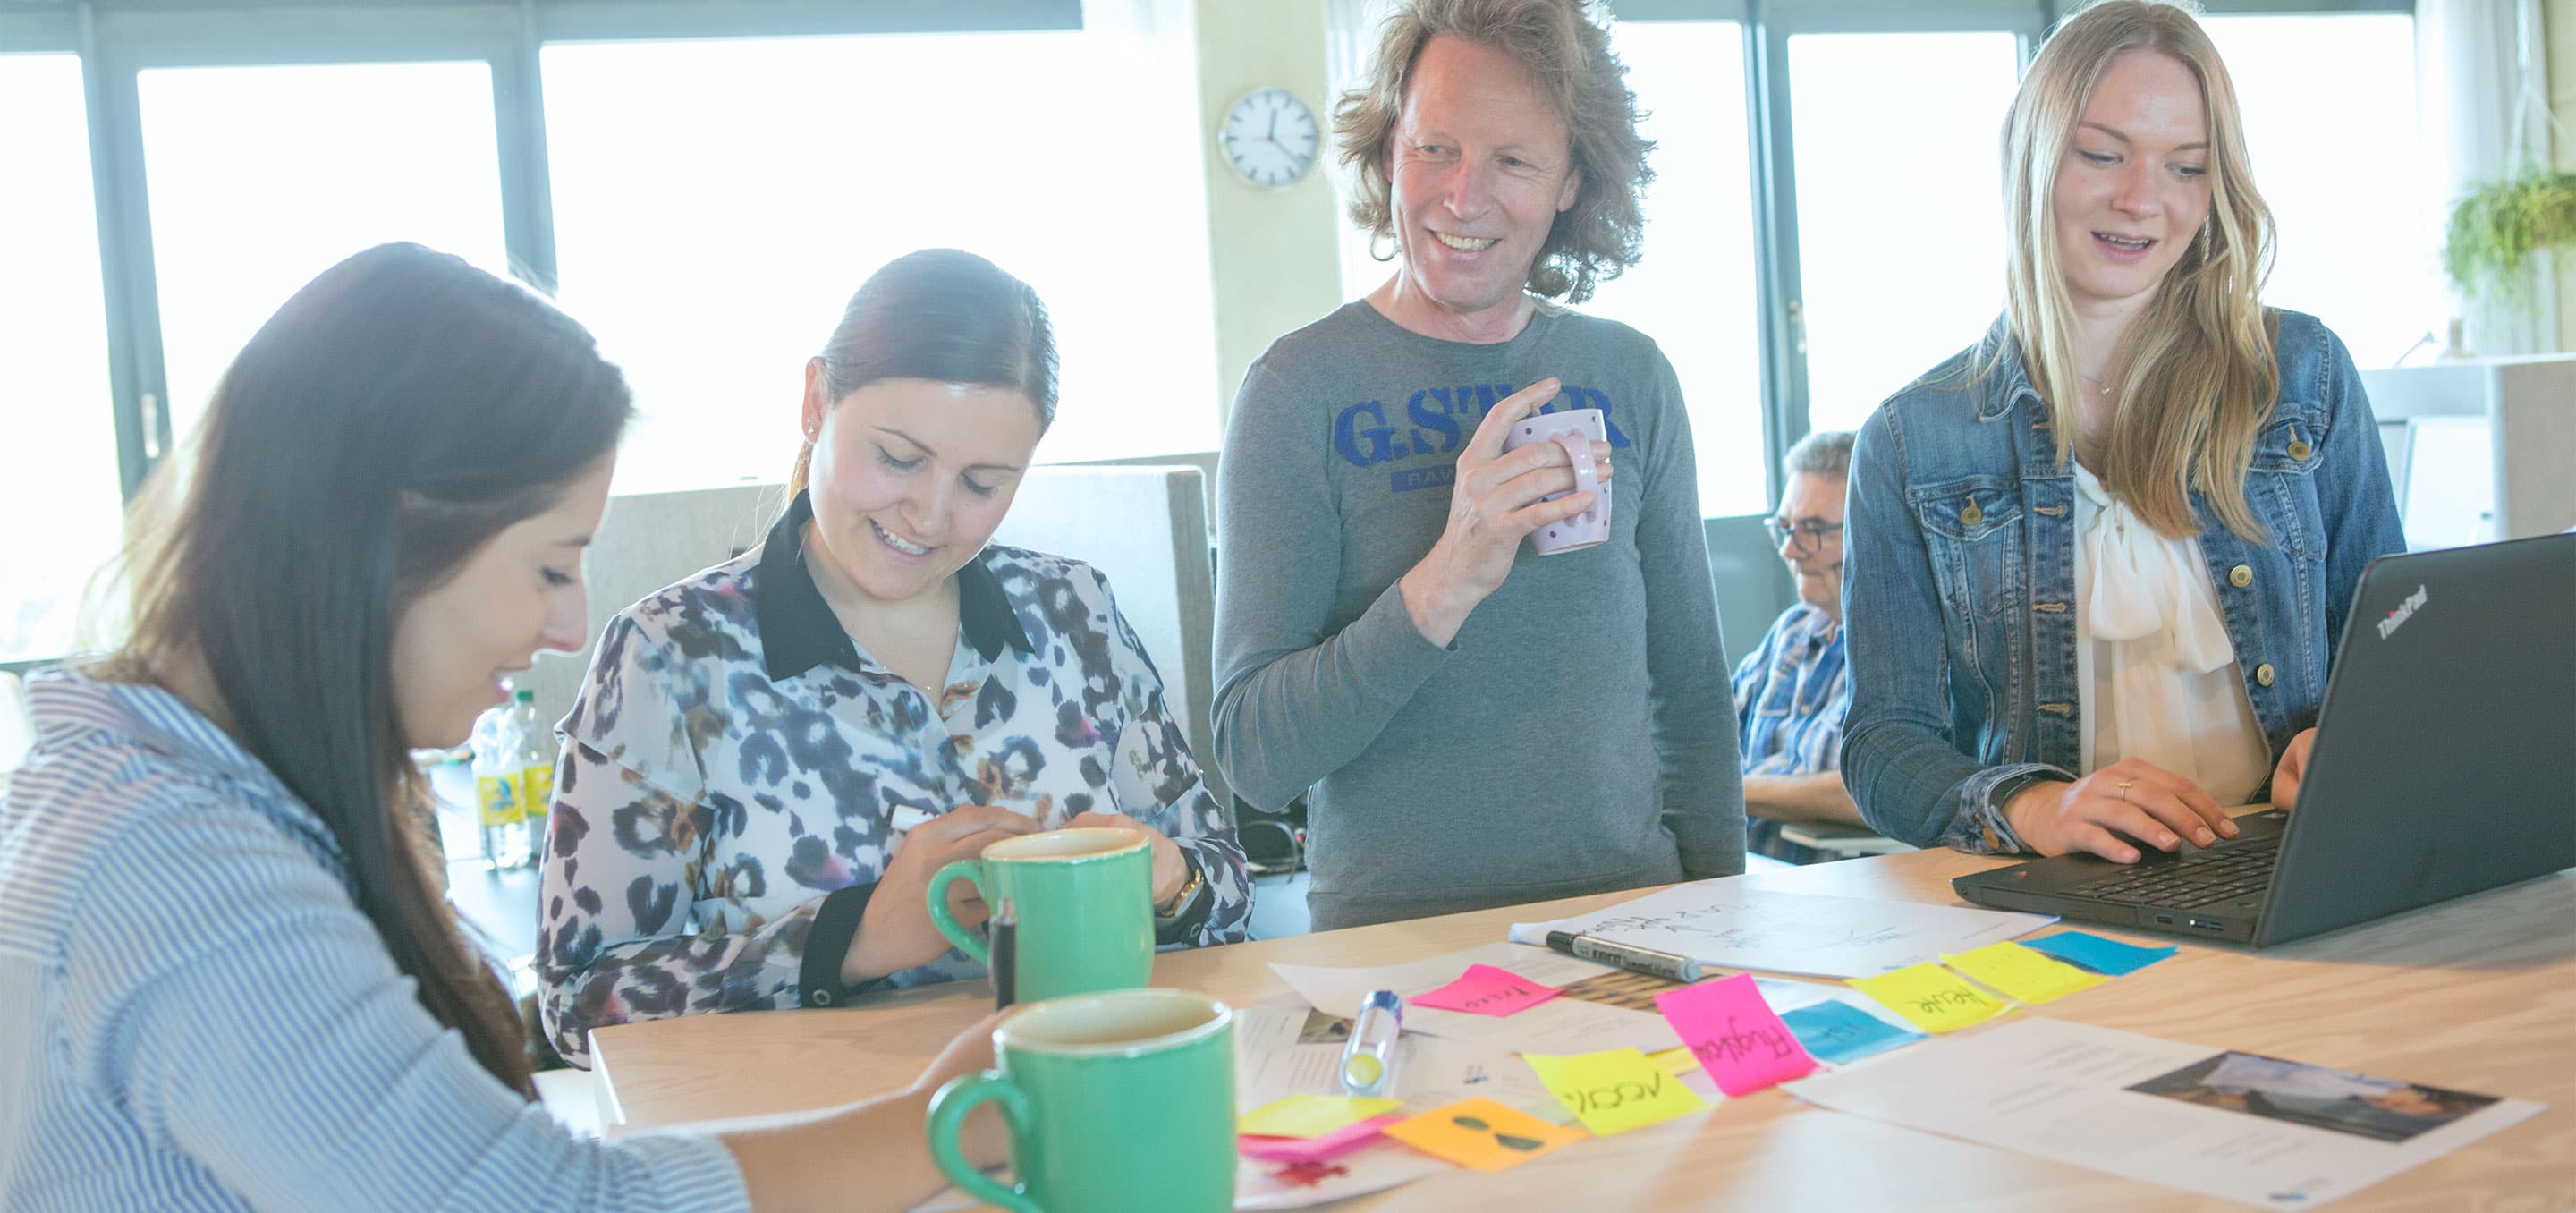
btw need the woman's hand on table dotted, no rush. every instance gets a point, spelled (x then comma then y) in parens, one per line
(1171, 868)
(896, 932)
(2100, 813)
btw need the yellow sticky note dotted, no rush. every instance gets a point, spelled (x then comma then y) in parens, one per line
(1483, 1135)
(1615, 1090)
(1310, 1115)
(1933, 998)
(2021, 974)
(1676, 1062)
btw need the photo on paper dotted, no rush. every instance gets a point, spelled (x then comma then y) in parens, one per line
(1622, 989)
(2382, 1109)
(1322, 1029)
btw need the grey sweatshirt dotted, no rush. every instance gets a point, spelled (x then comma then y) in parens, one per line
(1577, 736)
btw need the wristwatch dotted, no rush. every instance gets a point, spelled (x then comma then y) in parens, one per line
(1181, 901)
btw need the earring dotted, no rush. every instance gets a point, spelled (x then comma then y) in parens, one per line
(1389, 254)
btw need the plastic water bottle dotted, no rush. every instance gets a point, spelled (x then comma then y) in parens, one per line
(535, 756)
(499, 789)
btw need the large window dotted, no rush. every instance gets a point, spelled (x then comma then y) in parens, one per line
(2356, 248)
(58, 461)
(1694, 291)
(711, 233)
(262, 177)
(1900, 206)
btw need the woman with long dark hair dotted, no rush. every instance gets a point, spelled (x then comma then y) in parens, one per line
(245, 990)
(772, 757)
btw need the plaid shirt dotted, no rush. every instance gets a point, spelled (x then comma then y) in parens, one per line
(1790, 696)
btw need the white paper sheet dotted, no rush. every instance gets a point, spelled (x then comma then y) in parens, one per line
(1734, 925)
(2059, 1090)
(1579, 1021)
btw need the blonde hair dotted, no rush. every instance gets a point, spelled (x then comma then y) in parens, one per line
(2198, 377)
(1568, 54)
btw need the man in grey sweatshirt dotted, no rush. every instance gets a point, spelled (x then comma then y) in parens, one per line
(1475, 725)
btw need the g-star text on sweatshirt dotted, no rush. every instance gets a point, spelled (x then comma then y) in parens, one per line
(1441, 419)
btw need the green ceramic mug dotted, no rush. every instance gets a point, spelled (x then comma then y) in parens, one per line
(1116, 1102)
(1084, 901)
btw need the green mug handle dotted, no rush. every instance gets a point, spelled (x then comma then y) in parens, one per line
(966, 941)
(948, 1111)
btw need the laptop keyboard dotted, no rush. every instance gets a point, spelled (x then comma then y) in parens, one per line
(2205, 880)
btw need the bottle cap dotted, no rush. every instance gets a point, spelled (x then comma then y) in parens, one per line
(524, 695)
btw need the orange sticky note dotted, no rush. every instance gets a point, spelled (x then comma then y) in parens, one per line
(1482, 1135)
(1931, 997)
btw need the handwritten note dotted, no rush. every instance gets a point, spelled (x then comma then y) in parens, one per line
(1931, 997)
(1326, 1148)
(1486, 990)
(2109, 957)
(1483, 1135)
(1736, 1035)
(1310, 1115)
(1615, 1090)
(2020, 974)
(1840, 1033)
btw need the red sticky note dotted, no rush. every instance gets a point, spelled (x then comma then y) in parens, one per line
(1486, 990)
(1330, 1146)
(1735, 1034)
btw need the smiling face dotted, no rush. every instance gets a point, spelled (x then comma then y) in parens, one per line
(518, 593)
(1480, 166)
(909, 479)
(2133, 189)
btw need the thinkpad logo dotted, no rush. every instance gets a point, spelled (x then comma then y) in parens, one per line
(2405, 611)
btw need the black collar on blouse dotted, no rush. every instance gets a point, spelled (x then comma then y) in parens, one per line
(798, 630)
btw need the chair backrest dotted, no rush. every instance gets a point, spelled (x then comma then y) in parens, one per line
(648, 541)
(1752, 585)
(1145, 527)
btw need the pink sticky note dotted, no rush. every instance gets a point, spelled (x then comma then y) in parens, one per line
(1330, 1146)
(1486, 990)
(1735, 1034)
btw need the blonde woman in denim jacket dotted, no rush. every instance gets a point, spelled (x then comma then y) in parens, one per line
(2099, 558)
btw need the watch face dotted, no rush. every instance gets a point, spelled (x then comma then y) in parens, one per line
(1270, 137)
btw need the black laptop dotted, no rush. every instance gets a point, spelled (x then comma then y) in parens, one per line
(2445, 764)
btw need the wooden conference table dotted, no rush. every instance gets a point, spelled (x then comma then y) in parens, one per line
(2476, 995)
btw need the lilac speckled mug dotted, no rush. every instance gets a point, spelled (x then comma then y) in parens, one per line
(1576, 430)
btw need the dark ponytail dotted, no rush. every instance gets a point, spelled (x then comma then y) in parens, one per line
(399, 411)
(946, 316)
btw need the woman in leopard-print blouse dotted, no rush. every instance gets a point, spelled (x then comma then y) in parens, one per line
(769, 759)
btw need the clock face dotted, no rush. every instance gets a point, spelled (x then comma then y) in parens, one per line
(1270, 137)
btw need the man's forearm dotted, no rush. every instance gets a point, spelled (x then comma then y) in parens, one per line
(1817, 797)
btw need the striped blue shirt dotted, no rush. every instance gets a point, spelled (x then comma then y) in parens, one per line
(1791, 694)
(208, 1020)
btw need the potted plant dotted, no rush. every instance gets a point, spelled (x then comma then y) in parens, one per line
(2495, 230)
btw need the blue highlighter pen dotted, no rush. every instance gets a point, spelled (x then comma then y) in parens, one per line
(1368, 1057)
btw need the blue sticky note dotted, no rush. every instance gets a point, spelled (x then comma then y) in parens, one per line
(1841, 1033)
(2109, 957)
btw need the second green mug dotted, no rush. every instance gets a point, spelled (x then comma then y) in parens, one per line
(1084, 901)
(1117, 1103)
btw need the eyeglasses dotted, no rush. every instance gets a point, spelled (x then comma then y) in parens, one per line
(1802, 538)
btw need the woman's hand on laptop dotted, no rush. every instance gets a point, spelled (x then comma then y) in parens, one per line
(2293, 768)
(2101, 812)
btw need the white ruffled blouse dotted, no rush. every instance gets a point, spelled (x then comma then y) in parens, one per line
(2156, 675)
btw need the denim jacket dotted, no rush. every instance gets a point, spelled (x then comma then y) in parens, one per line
(1959, 599)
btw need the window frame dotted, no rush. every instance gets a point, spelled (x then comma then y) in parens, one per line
(118, 39)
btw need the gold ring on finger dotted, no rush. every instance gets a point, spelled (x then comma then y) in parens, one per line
(2124, 791)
